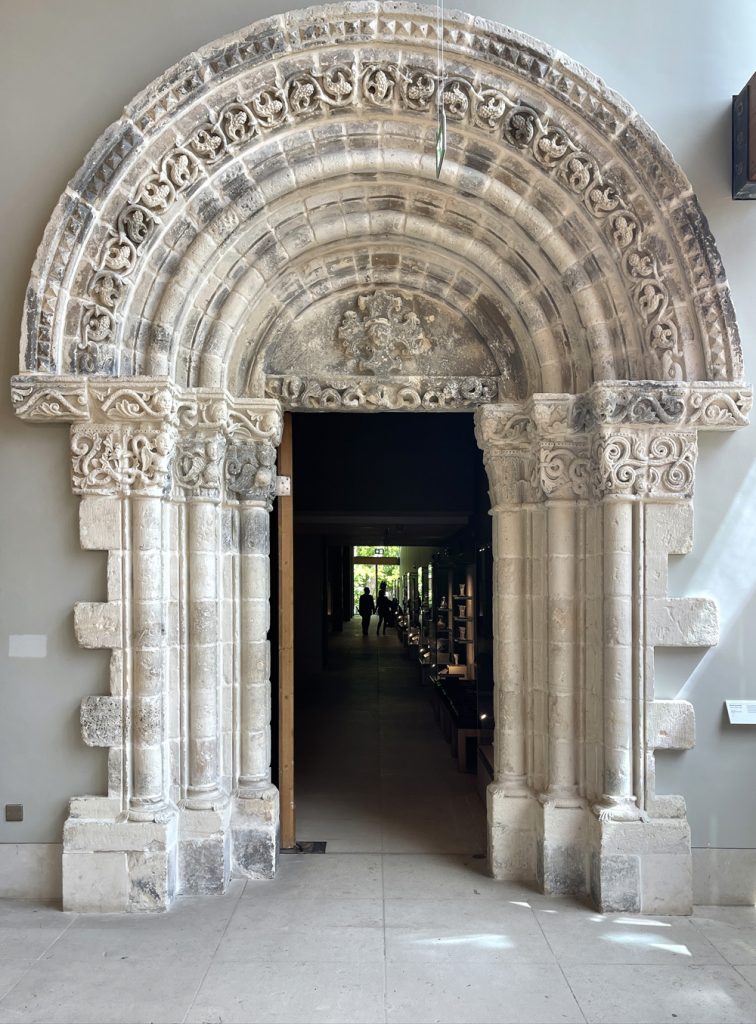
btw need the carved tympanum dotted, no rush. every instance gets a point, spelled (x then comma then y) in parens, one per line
(381, 333)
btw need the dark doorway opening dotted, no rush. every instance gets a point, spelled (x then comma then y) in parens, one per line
(375, 769)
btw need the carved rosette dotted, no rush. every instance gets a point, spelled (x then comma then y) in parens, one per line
(381, 333)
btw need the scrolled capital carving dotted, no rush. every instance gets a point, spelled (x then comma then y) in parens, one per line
(658, 465)
(250, 471)
(564, 471)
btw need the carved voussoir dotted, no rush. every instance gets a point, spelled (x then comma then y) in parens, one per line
(102, 721)
(671, 725)
(98, 624)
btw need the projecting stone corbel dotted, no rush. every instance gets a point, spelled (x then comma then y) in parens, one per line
(671, 725)
(683, 622)
(97, 624)
(102, 721)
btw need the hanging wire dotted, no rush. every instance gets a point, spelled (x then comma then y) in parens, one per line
(441, 79)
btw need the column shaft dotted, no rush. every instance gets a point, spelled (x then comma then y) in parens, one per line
(204, 788)
(618, 653)
(255, 711)
(510, 646)
(148, 784)
(561, 524)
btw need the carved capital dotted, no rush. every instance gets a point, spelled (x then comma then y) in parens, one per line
(645, 464)
(250, 471)
(564, 471)
(197, 468)
(121, 459)
(512, 476)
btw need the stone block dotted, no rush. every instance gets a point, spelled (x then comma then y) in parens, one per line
(100, 523)
(683, 622)
(102, 721)
(254, 834)
(615, 883)
(666, 884)
(671, 725)
(152, 879)
(94, 808)
(98, 624)
(95, 882)
(204, 865)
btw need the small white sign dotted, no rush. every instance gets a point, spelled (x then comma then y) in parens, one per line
(27, 645)
(741, 712)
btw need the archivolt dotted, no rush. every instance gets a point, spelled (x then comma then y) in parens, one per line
(270, 178)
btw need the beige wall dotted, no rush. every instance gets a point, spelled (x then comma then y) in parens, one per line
(67, 68)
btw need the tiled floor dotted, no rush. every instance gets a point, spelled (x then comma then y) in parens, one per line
(396, 922)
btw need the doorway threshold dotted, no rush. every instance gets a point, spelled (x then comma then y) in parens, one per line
(305, 847)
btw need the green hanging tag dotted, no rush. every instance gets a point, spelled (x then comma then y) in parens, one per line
(440, 140)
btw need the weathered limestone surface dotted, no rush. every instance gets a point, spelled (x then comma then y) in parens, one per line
(263, 230)
(590, 494)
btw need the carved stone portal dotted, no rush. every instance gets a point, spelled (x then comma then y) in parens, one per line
(262, 229)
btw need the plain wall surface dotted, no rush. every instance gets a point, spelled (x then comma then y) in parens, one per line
(67, 69)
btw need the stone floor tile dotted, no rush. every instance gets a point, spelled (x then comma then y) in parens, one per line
(437, 876)
(308, 930)
(476, 994)
(578, 935)
(732, 930)
(316, 876)
(290, 993)
(105, 991)
(28, 928)
(682, 993)
(748, 971)
(191, 929)
(11, 972)
(462, 931)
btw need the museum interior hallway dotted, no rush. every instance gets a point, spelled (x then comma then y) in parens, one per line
(373, 772)
(396, 922)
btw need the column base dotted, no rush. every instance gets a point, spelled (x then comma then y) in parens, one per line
(511, 833)
(562, 856)
(255, 827)
(204, 855)
(111, 864)
(641, 866)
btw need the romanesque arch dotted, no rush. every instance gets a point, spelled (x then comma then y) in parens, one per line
(263, 229)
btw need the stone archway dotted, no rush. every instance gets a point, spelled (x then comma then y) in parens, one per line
(263, 229)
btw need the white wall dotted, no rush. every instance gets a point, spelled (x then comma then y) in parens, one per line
(66, 69)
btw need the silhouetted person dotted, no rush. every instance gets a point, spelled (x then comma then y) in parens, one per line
(366, 609)
(384, 609)
(393, 611)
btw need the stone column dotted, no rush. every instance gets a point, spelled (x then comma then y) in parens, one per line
(564, 479)
(250, 478)
(502, 433)
(120, 851)
(204, 857)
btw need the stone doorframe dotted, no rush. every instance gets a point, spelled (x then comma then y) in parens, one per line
(263, 230)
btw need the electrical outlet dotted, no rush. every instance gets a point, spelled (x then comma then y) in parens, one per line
(14, 812)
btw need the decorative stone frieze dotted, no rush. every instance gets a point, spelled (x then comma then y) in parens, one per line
(364, 395)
